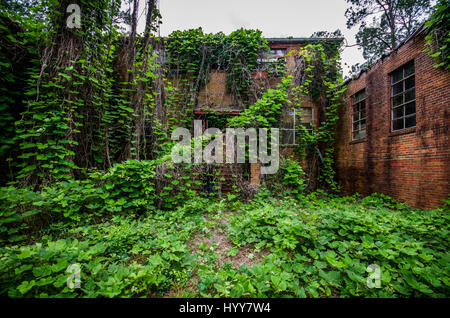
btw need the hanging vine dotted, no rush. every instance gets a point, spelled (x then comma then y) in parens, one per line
(192, 54)
(318, 76)
(100, 96)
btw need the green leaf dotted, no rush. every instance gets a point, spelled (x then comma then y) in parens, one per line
(25, 286)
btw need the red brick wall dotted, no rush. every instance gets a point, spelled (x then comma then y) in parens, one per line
(412, 165)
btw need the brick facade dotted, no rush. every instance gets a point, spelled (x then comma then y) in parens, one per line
(411, 165)
(216, 97)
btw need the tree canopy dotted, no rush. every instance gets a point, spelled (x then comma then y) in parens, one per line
(384, 24)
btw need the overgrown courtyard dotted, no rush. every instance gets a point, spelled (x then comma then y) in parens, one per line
(275, 245)
(93, 204)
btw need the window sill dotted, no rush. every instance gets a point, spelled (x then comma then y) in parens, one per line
(358, 141)
(402, 132)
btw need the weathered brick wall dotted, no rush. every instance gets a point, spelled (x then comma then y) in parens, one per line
(290, 51)
(411, 165)
(215, 94)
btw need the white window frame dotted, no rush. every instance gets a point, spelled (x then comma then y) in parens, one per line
(360, 118)
(297, 130)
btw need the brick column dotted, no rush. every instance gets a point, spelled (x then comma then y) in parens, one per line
(255, 173)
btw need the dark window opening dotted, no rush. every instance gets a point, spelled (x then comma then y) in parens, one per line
(294, 124)
(272, 63)
(403, 97)
(359, 115)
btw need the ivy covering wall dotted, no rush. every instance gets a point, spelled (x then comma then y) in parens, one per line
(87, 114)
(95, 96)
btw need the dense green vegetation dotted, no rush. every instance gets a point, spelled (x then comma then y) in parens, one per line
(193, 53)
(274, 246)
(438, 34)
(88, 179)
(383, 25)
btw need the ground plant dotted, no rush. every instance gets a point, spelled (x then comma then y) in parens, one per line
(310, 245)
(92, 204)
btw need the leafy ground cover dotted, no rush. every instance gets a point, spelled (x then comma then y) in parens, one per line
(311, 246)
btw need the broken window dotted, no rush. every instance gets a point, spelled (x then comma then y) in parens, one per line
(403, 97)
(273, 55)
(359, 115)
(272, 62)
(294, 123)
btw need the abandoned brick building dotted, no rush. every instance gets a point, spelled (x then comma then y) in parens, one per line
(215, 99)
(392, 136)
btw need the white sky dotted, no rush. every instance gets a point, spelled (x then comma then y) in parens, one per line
(275, 18)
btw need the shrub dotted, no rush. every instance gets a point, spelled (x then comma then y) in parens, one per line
(132, 187)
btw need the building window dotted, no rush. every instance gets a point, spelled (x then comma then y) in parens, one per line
(359, 115)
(272, 63)
(403, 98)
(294, 122)
(273, 55)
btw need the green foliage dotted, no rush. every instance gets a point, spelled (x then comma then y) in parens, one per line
(384, 24)
(266, 227)
(131, 187)
(243, 47)
(324, 249)
(293, 176)
(324, 84)
(18, 58)
(16, 209)
(331, 41)
(266, 111)
(80, 113)
(130, 226)
(438, 34)
(123, 257)
(187, 49)
(317, 246)
(193, 53)
(288, 181)
(65, 89)
(383, 201)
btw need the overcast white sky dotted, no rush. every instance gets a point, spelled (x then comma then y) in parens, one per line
(275, 18)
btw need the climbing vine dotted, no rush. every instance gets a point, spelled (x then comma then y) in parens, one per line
(114, 97)
(88, 106)
(18, 59)
(265, 113)
(193, 53)
(316, 77)
(321, 80)
(438, 34)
